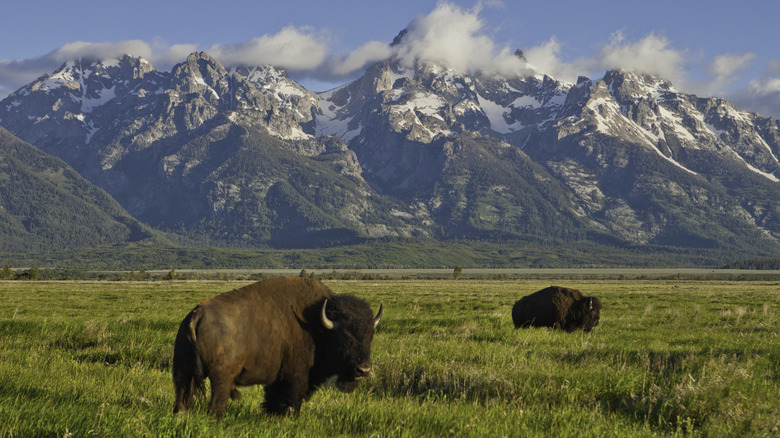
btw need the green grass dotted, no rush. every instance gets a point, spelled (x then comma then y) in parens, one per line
(670, 358)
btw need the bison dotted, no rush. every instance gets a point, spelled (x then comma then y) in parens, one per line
(289, 334)
(557, 307)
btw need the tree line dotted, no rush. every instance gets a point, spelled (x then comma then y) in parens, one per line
(758, 264)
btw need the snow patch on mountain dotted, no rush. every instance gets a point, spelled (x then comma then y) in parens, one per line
(62, 77)
(675, 122)
(529, 102)
(769, 176)
(200, 81)
(275, 81)
(764, 144)
(497, 115)
(331, 121)
(612, 121)
(715, 131)
(397, 72)
(103, 96)
(425, 103)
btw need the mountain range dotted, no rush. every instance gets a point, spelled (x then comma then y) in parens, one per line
(243, 156)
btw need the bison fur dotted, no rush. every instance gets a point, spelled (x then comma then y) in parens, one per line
(289, 334)
(559, 308)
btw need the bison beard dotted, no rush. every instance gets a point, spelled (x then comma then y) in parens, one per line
(557, 307)
(289, 334)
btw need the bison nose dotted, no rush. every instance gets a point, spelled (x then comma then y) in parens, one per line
(362, 370)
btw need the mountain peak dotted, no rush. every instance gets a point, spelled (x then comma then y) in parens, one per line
(243, 154)
(398, 38)
(637, 81)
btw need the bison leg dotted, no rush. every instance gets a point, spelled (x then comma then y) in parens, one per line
(281, 398)
(221, 389)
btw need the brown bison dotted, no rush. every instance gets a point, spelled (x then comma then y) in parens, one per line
(289, 334)
(557, 307)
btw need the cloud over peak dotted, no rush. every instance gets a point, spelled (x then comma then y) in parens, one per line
(294, 48)
(652, 55)
(448, 35)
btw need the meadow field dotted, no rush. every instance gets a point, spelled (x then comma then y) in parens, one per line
(670, 358)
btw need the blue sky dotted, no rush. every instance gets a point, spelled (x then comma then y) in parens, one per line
(707, 47)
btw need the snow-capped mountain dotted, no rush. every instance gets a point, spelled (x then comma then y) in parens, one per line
(627, 147)
(244, 155)
(427, 102)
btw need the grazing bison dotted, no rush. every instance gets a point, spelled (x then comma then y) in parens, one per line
(289, 334)
(557, 307)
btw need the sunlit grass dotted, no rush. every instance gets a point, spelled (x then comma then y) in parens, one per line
(669, 358)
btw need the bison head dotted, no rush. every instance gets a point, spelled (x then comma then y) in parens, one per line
(588, 310)
(349, 327)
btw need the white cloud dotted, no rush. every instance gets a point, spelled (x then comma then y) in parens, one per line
(761, 95)
(15, 74)
(653, 55)
(728, 64)
(291, 48)
(721, 73)
(448, 35)
(165, 56)
(364, 55)
(656, 55)
(546, 58)
(81, 49)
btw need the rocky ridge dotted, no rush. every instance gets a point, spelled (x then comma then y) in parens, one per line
(244, 155)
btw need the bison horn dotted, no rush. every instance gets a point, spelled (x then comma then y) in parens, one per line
(378, 316)
(325, 320)
(590, 303)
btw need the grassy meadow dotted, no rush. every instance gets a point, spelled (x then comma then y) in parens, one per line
(670, 358)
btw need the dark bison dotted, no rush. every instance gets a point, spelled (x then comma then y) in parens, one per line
(557, 307)
(289, 334)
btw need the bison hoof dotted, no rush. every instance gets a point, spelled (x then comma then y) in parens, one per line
(276, 409)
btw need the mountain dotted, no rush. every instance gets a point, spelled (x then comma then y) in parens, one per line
(244, 156)
(630, 157)
(203, 152)
(46, 206)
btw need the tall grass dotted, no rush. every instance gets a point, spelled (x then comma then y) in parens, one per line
(669, 359)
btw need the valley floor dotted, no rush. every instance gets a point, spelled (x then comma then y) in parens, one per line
(671, 357)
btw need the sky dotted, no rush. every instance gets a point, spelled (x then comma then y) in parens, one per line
(720, 48)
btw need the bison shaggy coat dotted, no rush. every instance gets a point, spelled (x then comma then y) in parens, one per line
(289, 334)
(557, 307)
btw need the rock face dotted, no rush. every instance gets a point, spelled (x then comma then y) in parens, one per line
(245, 156)
(631, 157)
(223, 157)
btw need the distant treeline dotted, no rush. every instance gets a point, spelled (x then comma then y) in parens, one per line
(383, 254)
(33, 274)
(760, 264)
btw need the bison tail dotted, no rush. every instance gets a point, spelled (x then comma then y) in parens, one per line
(188, 373)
